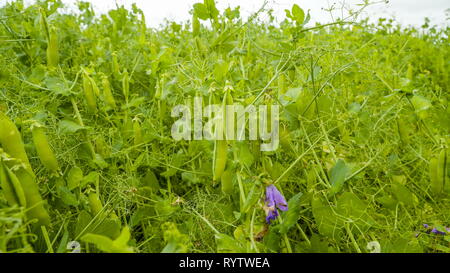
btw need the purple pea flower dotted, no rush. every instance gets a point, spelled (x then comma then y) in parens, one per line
(435, 230)
(274, 201)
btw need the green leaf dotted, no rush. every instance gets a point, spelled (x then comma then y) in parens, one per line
(62, 248)
(402, 194)
(176, 241)
(92, 177)
(201, 11)
(57, 86)
(150, 180)
(273, 238)
(69, 127)
(351, 207)
(338, 175)
(291, 216)
(108, 227)
(83, 220)
(100, 162)
(252, 198)
(74, 178)
(227, 244)
(245, 156)
(298, 14)
(220, 69)
(211, 7)
(318, 245)
(291, 96)
(421, 106)
(326, 219)
(406, 244)
(119, 245)
(288, 13)
(67, 196)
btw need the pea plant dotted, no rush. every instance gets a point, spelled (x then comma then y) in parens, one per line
(88, 161)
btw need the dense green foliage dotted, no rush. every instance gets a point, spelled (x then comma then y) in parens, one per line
(365, 124)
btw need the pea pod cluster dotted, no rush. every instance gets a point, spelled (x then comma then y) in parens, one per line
(20, 184)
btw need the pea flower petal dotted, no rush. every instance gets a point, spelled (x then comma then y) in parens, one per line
(274, 201)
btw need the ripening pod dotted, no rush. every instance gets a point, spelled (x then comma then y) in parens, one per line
(442, 172)
(438, 172)
(12, 143)
(282, 87)
(12, 189)
(95, 88)
(410, 72)
(101, 147)
(228, 117)
(201, 47)
(436, 184)
(52, 49)
(158, 90)
(227, 182)
(43, 149)
(220, 158)
(195, 25)
(125, 84)
(89, 94)
(115, 66)
(107, 94)
(11, 140)
(403, 131)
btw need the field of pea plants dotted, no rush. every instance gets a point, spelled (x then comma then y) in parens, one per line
(88, 161)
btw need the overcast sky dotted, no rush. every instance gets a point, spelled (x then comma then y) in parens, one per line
(407, 12)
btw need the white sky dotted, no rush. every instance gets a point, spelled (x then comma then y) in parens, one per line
(406, 12)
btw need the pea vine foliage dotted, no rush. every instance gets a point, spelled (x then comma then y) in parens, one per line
(318, 137)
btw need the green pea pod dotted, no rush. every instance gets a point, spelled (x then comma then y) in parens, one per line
(17, 187)
(282, 84)
(220, 159)
(89, 94)
(115, 65)
(102, 147)
(125, 85)
(11, 142)
(195, 25)
(410, 72)
(95, 203)
(44, 150)
(94, 87)
(107, 94)
(227, 182)
(436, 185)
(52, 49)
(159, 88)
(228, 117)
(438, 172)
(403, 131)
(441, 169)
(8, 189)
